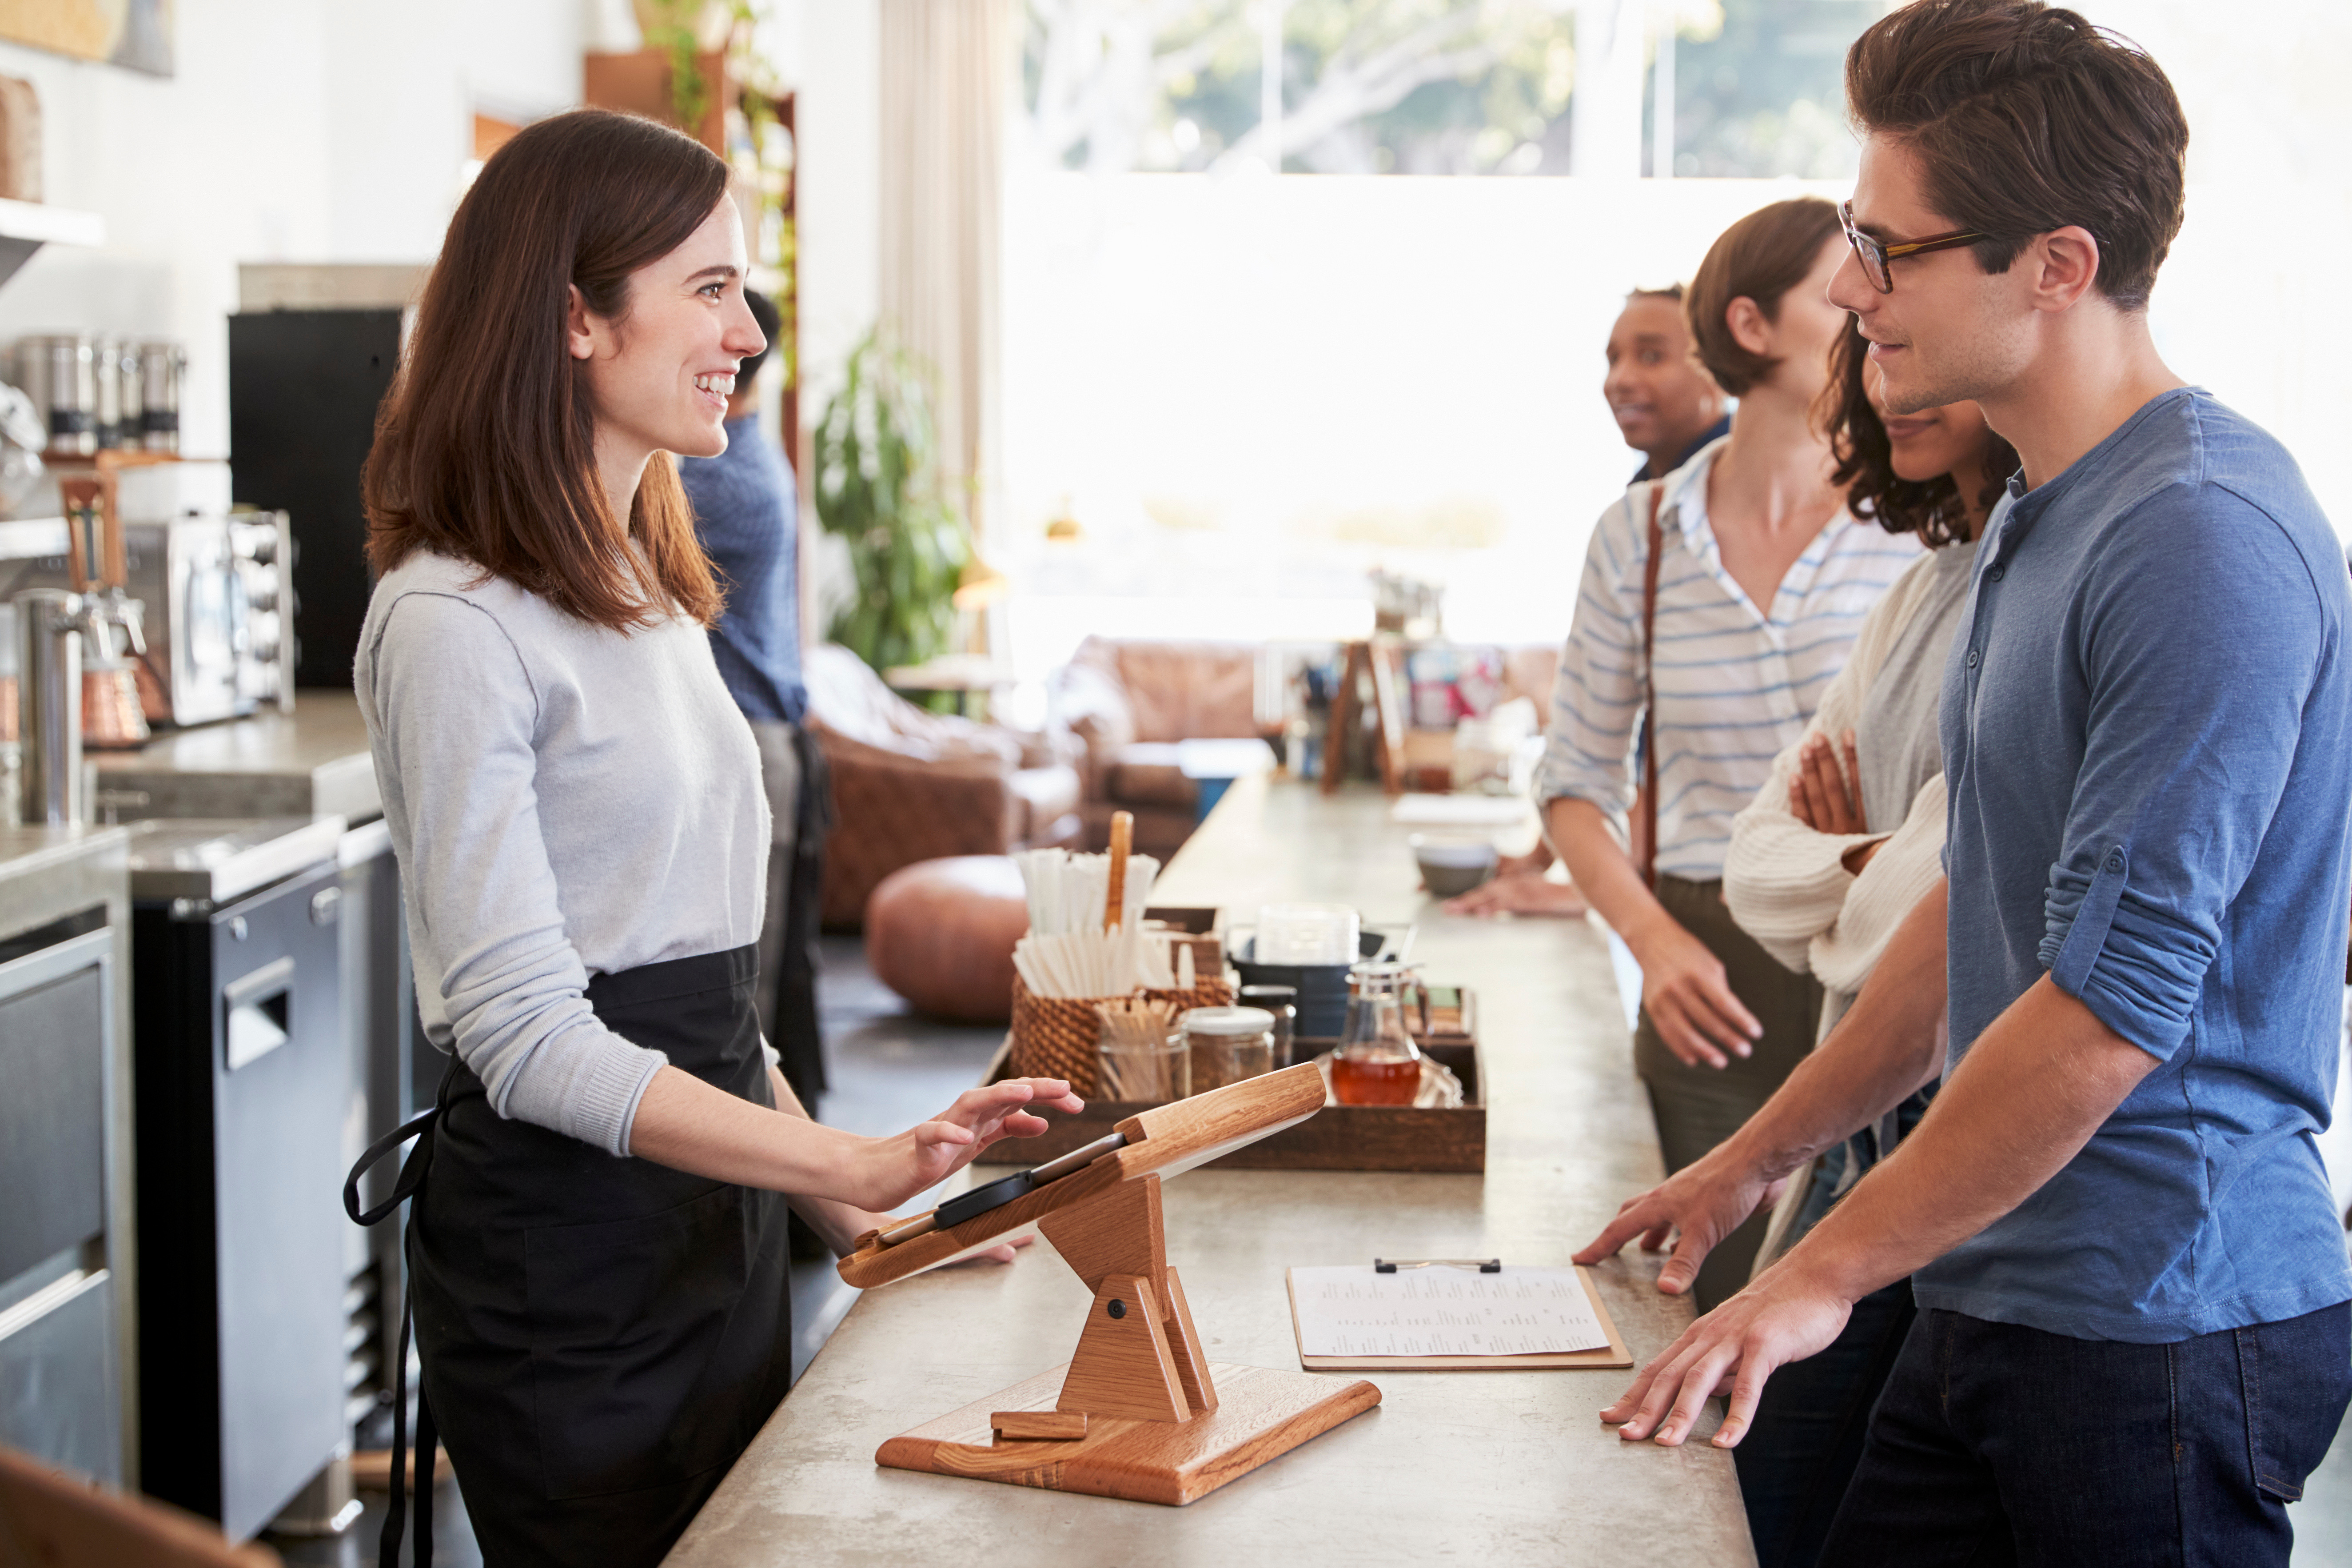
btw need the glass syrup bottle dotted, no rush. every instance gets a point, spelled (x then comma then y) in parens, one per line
(1376, 1062)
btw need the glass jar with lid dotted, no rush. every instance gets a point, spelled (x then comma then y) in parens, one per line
(1227, 1044)
(1376, 1062)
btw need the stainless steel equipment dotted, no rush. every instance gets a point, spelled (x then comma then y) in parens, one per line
(49, 708)
(214, 584)
(60, 371)
(379, 1008)
(68, 1380)
(108, 369)
(162, 366)
(243, 1080)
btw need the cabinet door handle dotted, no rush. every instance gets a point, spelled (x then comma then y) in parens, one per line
(260, 1012)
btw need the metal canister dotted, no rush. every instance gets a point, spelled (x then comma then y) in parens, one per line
(49, 708)
(1280, 1002)
(73, 395)
(135, 393)
(163, 365)
(106, 380)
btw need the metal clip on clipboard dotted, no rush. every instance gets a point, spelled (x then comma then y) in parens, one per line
(1483, 1265)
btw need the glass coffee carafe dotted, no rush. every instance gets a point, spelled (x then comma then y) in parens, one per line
(1376, 1062)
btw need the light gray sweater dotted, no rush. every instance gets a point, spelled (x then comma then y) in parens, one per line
(564, 801)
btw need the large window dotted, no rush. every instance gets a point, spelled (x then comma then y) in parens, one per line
(1249, 391)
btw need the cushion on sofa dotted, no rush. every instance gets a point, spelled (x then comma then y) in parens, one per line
(846, 697)
(1046, 795)
(1189, 690)
(1146, 773)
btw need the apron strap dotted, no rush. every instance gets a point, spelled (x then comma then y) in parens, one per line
(412, 1172)
(410, 1182)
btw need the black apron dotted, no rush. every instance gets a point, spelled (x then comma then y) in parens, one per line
(600, 1337)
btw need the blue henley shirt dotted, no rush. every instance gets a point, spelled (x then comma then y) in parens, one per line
(2148, 744)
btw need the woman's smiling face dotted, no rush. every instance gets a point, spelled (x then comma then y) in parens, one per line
(659, 375)
(1932, 442)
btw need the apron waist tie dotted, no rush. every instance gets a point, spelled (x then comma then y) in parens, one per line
(410, 1182)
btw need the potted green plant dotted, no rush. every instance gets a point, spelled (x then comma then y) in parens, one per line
(879, 488)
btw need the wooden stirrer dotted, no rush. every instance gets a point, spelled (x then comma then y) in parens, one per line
(1122, 839)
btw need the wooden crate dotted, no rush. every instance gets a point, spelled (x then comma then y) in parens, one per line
(1337, 1138)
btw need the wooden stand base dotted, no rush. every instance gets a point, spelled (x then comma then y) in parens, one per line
(1260, 1414)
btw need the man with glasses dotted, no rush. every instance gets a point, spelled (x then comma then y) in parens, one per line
(2134, 1336)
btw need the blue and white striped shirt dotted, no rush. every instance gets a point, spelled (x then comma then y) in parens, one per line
(1734, 687)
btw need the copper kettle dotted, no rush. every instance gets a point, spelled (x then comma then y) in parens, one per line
(111, 714)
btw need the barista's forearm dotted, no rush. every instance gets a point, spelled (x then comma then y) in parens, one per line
(839, 1223)
(1886, 1045)
(691, 1126)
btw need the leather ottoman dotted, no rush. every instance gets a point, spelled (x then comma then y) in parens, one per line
(941, 934)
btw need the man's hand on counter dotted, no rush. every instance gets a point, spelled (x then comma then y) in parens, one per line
(1698, 1206)
(1785, 1314)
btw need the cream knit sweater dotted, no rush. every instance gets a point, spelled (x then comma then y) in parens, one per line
(1787, 884)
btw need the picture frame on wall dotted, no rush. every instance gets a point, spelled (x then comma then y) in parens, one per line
(133, 34)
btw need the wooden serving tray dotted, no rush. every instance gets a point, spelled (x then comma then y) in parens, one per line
(1339, 1137)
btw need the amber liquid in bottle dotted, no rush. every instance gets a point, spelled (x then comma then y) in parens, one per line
(1376, 1062)
(1388, 1082)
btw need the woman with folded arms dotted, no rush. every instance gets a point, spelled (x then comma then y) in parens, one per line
(597, 1250)
(1836, 849)
(1761, 581)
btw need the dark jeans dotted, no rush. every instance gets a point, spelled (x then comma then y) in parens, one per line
(1807, 1438)
(1995, 1444)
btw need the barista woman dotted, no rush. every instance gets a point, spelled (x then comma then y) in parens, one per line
(598, 1248)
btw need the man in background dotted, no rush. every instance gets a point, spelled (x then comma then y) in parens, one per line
(1666, 404)
(746, 513)
(1667, 408)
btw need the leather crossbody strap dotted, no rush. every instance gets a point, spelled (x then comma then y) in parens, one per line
(1648, 804)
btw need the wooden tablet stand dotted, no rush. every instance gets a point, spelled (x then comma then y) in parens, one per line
(1139, 1411)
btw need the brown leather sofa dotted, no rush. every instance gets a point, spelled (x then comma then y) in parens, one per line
(911, 785)
(1129, 703)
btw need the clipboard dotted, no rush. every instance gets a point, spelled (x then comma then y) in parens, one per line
(1614, 1356)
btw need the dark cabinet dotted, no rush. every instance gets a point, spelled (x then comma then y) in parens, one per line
(243, 1073)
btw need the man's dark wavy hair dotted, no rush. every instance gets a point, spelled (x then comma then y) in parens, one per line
(2025, 117)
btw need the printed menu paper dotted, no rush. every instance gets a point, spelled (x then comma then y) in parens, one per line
(1353, 1312)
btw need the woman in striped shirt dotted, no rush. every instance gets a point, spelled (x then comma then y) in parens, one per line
(1762, 582)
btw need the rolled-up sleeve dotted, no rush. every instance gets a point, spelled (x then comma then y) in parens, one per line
(453, 711)
(1596, 696)
(2198, 659)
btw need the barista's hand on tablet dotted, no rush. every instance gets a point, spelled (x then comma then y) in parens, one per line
(931, 1152)
(1699, 1206)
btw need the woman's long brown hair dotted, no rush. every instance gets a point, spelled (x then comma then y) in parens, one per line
(1865, 458)
(485, 446)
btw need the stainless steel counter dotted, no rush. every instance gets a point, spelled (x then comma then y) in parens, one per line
(68, 1322)
(313, 761)
(1464, 1466)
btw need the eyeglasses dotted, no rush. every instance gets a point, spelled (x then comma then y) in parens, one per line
(1874, 254)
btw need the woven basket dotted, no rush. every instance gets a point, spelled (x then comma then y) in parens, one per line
(1055, 1037)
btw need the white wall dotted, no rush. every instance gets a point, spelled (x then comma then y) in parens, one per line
(837, 73)
(293, 131)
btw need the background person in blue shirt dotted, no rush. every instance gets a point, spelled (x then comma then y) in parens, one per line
(2134, 1339)
(746, 514)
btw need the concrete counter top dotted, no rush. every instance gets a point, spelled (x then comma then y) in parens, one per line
(31, 854)
(313, 761)
(1476, 1468)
